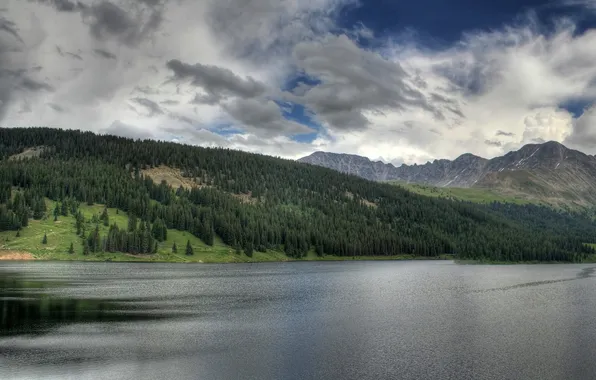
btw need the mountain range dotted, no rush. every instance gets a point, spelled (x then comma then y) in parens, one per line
(548, 172)
(74, 195)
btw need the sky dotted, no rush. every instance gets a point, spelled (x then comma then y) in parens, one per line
(399, 81)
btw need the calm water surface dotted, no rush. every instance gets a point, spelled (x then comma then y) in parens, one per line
(350, 320)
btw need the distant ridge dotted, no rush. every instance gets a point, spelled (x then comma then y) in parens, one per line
(550, 172)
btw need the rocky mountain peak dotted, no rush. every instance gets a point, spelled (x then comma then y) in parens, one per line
(546, 169)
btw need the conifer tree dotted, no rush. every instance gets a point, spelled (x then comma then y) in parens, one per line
(105, 217)
(45, 239)
(71, 249)
(132, 222)
(189, 250)
(174, 248)
(64, 208)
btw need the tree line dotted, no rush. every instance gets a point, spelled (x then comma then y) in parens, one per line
(293, 207)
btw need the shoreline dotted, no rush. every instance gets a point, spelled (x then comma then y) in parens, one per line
(15, 255)
(11, 255)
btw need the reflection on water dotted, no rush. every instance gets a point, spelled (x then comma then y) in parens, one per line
(25, 308)
(361, 320)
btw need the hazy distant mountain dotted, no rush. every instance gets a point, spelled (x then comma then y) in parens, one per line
(549, 171)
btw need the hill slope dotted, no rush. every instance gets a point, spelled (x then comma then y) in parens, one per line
(547, 172)
(255, 203)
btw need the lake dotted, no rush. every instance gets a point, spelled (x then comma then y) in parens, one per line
(301, 320)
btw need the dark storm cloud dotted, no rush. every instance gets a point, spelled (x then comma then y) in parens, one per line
(104, 54)
(217, 81)
(106, 19)
(153, 107)
(354, 81)
(503, 133)
(263, 117)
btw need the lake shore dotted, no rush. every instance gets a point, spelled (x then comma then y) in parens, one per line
(11, 255)
(258, 257)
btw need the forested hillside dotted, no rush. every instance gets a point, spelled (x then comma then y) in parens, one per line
(284, 205)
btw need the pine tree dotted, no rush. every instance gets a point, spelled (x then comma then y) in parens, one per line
(189, 250)
(64, 208)
(155, 247)
(18, 233)
(105, 217)
(71, 248)
(132, 222)
(39, 208)
(45, 239)
(85, 247)
(174, 248)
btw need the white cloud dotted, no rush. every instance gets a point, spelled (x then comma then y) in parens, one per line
(512, 80)
(490, 93)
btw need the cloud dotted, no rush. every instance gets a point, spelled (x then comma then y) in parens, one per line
(153, 107)
(56, 107)
(354, 82)
(503, 133)
(365, 91)
(119, 128)
(104, 54)
(108, 20)
(259, 29)
(208, 98)
(62, 5)
(583, 135)
(33, 85)
(263, 118)
(493, 143)
(169, 102)
(68, 54)
(216, 81)
(9, 27)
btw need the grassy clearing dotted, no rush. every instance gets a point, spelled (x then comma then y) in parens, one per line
(475, 195)
(62, 233)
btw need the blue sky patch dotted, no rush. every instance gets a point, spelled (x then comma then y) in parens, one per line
(225, 130)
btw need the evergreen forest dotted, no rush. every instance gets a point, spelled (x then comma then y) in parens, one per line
(255, 203)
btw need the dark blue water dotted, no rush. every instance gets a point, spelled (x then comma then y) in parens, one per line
(350, 320)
